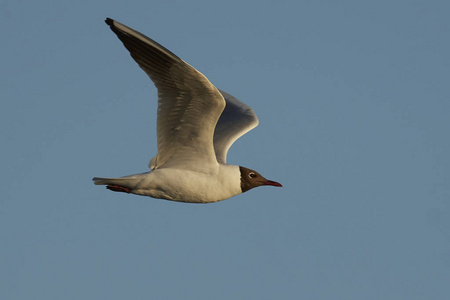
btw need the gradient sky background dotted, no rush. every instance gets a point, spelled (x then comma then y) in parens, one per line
(353, 99)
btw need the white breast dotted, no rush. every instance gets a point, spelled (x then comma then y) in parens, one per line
(190, 186)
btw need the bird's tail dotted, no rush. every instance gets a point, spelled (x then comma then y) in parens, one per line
(117, 181)
(124, 184)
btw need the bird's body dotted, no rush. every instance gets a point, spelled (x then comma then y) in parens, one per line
(183, 185)
(196, 126)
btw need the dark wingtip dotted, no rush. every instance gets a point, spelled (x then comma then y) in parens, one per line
(109, 21)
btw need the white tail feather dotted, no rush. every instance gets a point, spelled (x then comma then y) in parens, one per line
(125, 182)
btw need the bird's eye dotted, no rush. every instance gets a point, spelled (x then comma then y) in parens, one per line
(252, 175)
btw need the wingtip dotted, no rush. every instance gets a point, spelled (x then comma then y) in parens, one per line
(109, 21)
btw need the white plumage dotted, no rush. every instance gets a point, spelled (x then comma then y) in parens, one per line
(196, 126)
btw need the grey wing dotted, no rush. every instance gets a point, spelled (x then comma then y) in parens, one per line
(236, 120)
(189, 106)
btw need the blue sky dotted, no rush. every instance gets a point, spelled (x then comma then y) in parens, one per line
(353, 103)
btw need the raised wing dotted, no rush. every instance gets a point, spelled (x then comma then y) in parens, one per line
(189, 106)
(236, 120)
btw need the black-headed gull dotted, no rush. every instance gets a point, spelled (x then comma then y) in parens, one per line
(197, 124)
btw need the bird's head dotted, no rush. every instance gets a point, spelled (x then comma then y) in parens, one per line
(251, 179)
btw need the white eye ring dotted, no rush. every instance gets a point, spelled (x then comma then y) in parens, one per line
(252, 175)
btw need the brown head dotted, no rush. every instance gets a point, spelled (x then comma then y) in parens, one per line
(251, 179)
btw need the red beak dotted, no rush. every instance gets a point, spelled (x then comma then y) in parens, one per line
(274, 183)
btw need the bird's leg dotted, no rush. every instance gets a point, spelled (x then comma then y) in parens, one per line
(118, 188)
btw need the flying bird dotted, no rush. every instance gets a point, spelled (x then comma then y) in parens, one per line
(196, 125)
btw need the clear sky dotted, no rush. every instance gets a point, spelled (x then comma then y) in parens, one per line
(353, 99)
